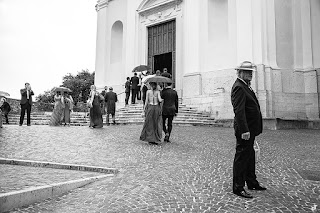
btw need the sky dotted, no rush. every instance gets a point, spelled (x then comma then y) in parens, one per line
(43, 40)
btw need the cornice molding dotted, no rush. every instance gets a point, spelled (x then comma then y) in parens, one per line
(142, 10)
(102, 4)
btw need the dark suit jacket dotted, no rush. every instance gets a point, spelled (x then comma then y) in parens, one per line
(111, 99)
(127, 86)
(166, 74)
(246, 108)
(24, 96)
(134, 83)
(170, 102)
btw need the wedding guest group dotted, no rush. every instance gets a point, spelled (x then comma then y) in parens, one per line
(26, 103)
(247, 125)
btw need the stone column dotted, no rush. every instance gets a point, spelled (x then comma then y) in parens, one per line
(191, 52)
(100, 65)
(244, 31)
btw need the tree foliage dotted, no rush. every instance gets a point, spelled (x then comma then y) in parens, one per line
(79, 84)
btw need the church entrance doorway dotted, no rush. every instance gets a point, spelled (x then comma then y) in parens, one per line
(162, 47)
(163, 61)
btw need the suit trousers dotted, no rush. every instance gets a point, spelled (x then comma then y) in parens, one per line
(24, 107)
(134, 95)
(113, 118)
(127, 97)
(170, 119)
(244, 164)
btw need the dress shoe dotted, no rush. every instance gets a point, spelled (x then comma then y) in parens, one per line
(243, 193)
(258, 188)
(28, 124)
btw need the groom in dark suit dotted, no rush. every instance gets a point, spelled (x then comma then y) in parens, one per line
(26, 102)
(247, 125)
(169, 109)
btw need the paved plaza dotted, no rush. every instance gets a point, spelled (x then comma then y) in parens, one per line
(191, 174)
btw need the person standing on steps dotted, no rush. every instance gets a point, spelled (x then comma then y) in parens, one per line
(134, 87)
(26, 103)
(127, 87)
(111, 99)
(247, 125)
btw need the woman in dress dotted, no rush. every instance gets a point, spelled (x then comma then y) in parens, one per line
(68, 102)
(57, 113)
(152, 128)
(95, 98)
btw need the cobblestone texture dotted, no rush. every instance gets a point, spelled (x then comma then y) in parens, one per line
(191, 174)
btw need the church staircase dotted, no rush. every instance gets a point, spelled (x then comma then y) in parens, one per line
(131, 114)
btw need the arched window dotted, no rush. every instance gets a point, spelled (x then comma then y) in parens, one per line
(116, 42)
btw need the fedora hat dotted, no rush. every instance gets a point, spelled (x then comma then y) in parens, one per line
(246, 65)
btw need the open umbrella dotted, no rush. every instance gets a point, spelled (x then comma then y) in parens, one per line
(158, 79)
(4, 93)
(61, 89)
(141, 68)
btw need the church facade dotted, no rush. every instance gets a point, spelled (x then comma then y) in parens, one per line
(201, 42)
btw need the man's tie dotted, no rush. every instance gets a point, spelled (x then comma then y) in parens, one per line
(28, 94)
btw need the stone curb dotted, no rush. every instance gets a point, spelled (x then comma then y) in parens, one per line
(58, 165)
(11, 200)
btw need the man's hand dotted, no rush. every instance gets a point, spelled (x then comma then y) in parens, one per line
(245, 135)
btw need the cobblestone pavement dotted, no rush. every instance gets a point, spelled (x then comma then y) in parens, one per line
(35, 176)
(191, 174)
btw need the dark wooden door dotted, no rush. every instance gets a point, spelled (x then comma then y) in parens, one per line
(162, 40)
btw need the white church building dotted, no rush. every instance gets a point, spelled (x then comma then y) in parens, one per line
(202, 41)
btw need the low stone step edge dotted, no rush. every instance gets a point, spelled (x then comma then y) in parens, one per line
(58, 165)
(17, 199)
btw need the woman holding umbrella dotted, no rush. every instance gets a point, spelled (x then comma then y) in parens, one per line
(152, 128)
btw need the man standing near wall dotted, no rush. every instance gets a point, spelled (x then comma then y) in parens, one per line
(247, 125)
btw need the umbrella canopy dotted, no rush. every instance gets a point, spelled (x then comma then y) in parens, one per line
(147, 77)
(4, 93)
(158, 79)
(141, 68)
(61, 89)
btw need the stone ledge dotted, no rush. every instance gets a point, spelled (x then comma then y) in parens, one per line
(11, 200)
(58, 165)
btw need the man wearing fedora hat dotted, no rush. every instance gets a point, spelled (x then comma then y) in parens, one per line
(247, 125)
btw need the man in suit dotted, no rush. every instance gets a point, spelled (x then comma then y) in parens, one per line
(247, 125)
(111, 99)
(26, 102)
(127, 86)
(134, 87)
(169, 109)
